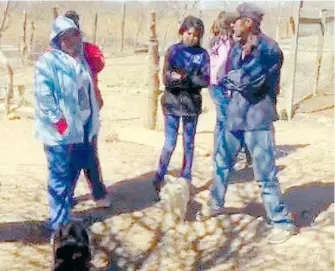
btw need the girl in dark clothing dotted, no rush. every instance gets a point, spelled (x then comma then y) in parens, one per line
(185, 73)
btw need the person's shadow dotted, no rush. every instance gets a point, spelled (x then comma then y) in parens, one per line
(127, 196)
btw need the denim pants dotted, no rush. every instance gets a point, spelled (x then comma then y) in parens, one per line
(59, 184)
(65, 163)
(261, 147)
(221, 103)
(171, 135)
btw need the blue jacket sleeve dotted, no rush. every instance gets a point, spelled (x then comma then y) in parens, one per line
(44, 90)
(169, 67)
(250, 79)
(202, 77)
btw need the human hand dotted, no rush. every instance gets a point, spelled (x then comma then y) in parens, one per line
(61, 126)
(176, 75)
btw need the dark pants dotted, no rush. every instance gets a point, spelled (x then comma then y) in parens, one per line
(85, 156)
(171, 135)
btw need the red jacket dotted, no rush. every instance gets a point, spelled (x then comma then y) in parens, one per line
(96, 61)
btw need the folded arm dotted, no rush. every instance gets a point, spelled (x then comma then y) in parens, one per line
(250, 79)
(168, 79)
(202, 78)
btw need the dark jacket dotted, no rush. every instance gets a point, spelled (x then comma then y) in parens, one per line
(254, 82)
(182, 97)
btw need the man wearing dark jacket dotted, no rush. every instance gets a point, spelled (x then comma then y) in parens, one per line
(255, 63)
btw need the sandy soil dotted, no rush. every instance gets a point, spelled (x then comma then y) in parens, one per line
(236, 241)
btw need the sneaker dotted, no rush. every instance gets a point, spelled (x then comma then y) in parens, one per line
(104, 203)
(278, 235)
(213, 210)
(216, 211)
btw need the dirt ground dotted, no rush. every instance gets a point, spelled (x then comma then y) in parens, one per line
(305, 157)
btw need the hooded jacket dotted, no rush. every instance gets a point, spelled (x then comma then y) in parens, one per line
(56, 94)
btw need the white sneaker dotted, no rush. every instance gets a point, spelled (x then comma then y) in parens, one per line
(104, 203)
(278, 236)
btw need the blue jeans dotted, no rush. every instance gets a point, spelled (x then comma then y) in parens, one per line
(65, 163)
(261, 147)
(221, 103)
(59, 184)
(171, 134)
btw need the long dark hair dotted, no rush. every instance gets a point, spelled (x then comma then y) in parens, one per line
(191, 21)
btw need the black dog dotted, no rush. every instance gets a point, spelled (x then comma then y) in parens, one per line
(71, 251)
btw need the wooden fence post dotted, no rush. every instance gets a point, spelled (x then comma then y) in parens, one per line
(10, 83)
(31, 40)
(95, 24)
(4, 22)
(123, 25)
(323, 16)
(6, 63)
(55, 12)
(153, 83)
(289, 94)
(23, 49)
(138, 30)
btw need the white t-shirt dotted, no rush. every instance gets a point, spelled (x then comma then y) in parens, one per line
(84, 88)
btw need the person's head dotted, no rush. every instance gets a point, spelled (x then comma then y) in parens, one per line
(65, 36)
(191, 30)
(71, 14)
(70, 42)
(249, 20)
(223, 25)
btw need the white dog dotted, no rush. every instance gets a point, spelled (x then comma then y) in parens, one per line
(175, 195)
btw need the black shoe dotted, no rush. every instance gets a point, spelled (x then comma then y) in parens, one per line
(157, 187)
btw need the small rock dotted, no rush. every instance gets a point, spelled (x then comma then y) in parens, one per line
(211, 225)
(121, 262)
(199, 227)
(111, 138)
(13, 116)
(137, 214)
(182, 229)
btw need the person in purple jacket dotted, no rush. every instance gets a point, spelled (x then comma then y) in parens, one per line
(186, 71)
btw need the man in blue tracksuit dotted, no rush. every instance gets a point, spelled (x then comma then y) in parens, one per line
(253, 79)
